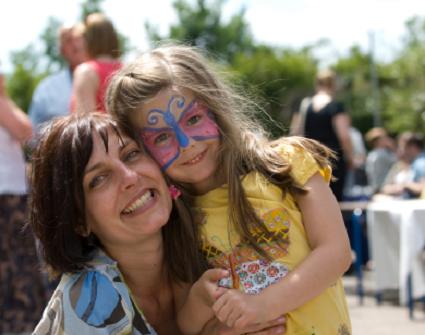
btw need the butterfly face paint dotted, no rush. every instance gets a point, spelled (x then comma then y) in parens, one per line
(182, 122)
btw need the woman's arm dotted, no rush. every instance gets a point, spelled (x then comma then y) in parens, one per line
(341, 124)
(86, 84)
(14, 120)
(329, 258)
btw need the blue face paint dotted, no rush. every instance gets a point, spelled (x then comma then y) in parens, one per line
(194, 122)
(171, 120)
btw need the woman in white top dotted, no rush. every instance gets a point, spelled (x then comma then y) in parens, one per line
(22, 294)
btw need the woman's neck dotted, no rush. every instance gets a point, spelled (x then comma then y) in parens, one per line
(142, 265)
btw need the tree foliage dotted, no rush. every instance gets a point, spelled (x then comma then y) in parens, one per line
(201, 24)
(404, 94)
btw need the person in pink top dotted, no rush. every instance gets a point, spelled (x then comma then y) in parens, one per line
(91, 77)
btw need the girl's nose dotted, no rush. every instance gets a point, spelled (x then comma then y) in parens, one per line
(189, 146)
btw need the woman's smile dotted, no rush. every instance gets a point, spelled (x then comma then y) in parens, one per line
(143, 201)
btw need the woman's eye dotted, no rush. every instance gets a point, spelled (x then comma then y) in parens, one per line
(132, 155)
(96, 181)
(194, 120)
(161, 138)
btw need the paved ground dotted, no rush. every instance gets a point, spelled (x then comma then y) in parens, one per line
(385, 319)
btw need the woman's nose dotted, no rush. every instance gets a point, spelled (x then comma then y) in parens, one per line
(128, 177)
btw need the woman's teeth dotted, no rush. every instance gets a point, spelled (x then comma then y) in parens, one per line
(139, 202)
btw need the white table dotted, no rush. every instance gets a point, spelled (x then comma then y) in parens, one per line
(396, 233)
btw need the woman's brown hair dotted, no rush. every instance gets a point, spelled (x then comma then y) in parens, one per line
(57, 210)
(244, 144)
(100, 37)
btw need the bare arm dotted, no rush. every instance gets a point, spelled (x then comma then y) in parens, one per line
(86, 83)
(196, 310)
(295, 129)
(342, 128)
(329, 258)
(415, 188)
(14, 120)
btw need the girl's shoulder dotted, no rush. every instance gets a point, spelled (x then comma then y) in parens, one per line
(305, 156)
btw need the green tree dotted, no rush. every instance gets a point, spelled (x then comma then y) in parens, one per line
(355, 87)
(201, 24)
(25, 76)
(281, 78)
(49, 38)
(90, 6)
(403, 94)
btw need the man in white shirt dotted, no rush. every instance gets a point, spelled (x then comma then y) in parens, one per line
(52, 96)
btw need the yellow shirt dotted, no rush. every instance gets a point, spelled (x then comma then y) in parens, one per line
(327, 314)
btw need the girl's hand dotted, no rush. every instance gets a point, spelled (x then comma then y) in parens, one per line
(207, 288)
(277, 326)
(238, 310)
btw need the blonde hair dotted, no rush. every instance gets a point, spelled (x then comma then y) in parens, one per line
(100, 36)
(326, 79)
(244, 144)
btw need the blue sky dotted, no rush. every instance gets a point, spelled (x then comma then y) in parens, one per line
(291, 23)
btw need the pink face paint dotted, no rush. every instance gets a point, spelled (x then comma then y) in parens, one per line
(164, 143)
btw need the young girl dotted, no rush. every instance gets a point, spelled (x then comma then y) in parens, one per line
(269, 216)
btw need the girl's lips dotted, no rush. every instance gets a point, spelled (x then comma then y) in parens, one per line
(196, 159)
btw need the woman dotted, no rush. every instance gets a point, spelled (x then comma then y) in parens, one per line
(91, 77)
(105, 218)
(324, 119)
(22, 294)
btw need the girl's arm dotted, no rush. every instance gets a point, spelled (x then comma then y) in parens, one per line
(86, 83)
(196, 311)
(329, 258)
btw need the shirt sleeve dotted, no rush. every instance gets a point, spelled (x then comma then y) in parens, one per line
(337, 108)
(303, 164)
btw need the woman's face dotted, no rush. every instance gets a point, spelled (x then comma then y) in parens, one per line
(126, 196)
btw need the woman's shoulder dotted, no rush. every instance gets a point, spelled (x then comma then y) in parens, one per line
(93, 299)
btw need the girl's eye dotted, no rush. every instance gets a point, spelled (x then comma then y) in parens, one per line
(193, 120)
(161, 138)
(96, 181)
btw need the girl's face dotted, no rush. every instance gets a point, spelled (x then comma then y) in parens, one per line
(126, 196)
(183, 137)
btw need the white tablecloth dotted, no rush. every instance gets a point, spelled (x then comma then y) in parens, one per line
(396, 232)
